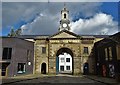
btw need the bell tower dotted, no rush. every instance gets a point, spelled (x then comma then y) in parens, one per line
(64, 22)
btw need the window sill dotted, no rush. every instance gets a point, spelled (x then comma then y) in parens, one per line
(21, 72)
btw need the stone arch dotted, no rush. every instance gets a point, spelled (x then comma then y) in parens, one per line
(67, 50)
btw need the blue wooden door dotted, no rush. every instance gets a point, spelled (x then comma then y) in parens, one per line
(57, 65)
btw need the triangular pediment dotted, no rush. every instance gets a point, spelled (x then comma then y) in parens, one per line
(65, 34)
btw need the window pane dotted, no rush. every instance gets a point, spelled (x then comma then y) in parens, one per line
(43, 49)
(21, 67)
(5, 53)
(28, 54)
(67, 59)
(62, 60)
(106, 54)
(110, 53)
(9, 53)
(86, 50)
(62, 68)
(67, 67)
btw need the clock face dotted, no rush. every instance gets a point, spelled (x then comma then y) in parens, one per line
(64, 25)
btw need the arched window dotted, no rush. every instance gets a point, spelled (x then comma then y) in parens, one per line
(64, 15)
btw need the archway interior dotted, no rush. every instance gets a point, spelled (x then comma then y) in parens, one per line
(64, 62)
(43, 68)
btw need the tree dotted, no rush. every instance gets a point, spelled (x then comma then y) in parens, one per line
(14, 33)
(17, 32)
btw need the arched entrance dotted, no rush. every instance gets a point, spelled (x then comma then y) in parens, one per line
(43, 68)
(85, 68)
(64, 61)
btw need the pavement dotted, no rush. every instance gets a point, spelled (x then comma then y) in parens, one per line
(105, 80)
(22, 78)
(39, 78)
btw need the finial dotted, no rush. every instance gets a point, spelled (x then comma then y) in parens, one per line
(64, 4)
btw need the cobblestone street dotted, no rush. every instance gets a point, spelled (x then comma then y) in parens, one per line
(62, 79)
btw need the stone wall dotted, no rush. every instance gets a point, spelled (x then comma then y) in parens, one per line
(52, 47)
(39, 56)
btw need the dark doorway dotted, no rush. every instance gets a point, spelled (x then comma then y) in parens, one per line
(43, 68)
(4, 68)
(86, 68)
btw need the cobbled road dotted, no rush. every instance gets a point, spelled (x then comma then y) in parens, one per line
(56, 80)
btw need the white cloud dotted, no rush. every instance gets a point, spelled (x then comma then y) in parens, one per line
(41, 25)
(99, 24)
(48, 17)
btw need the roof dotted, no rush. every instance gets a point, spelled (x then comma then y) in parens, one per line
(32, 36)
(87, 36)
(113, 38)
(116, 35)
(97, 36)
(5, 37)
(49, 36)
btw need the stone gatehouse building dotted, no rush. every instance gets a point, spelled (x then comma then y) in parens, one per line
(63, 52)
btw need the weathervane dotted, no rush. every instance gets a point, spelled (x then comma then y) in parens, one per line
(64, 4)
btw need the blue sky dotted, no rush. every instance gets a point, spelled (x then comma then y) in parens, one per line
(43, 18)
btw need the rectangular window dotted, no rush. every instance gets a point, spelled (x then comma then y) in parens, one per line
(28, 54)
(21, 68)
(110, 53)
(106, 54)
(61, 68)
(62, 60)
(43, 50)
(85, 50)
(67, 67)
(67, 59)
(7, 52)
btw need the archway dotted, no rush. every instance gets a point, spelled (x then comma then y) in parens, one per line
(85, 68)
(64, 61)
(43, 68)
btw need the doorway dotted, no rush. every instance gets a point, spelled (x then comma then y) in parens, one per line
(86, 68)
(43, 68)
(4, 69)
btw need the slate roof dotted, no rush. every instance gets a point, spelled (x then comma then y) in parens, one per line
(113, 38)
(33, 36)
(49, 36)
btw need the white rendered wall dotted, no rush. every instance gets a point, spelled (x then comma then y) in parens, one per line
(65, 55)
